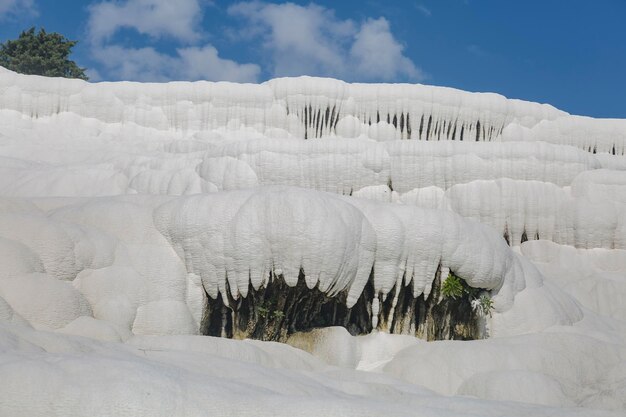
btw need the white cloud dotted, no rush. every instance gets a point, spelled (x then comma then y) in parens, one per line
(93, 74)
(191, 63)
(300, 39)
(295, 39)
(377, 55)
(179, 20)
(311, 40)
(15, 7)
(424, 10)
(157, 18)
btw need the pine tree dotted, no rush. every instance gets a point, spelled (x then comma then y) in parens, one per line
(40, 54)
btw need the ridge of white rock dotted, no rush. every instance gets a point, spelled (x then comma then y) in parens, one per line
(526, 191)
(99, 159)
(308, 107)
(589, 214)
(127, 259)
(238, 238)
(342, 166)
(587, 133)
(303, 106)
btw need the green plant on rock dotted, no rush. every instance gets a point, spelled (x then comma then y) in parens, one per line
(452, 287)
(484, 305)
(263, 312)
(277, 314)
(266, 312)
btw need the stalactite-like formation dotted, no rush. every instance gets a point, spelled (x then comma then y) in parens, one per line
(278, 310)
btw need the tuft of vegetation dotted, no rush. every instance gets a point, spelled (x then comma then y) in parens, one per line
(455, 287)
(265, 312)
(277, 314)
(41, 53)
(484, 305)
(452, 287)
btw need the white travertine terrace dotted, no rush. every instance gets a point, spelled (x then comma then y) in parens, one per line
(124, 207)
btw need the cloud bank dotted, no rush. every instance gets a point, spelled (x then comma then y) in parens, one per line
(159, 19)
(293, 40)
(312, 40)
(13, 7)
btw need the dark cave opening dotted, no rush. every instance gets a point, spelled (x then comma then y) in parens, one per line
(277, 310)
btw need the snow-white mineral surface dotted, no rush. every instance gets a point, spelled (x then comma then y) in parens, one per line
(124, 207)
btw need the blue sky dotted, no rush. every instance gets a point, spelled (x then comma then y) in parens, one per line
(571, 54)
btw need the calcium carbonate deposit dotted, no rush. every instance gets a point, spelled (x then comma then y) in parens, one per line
(288, 248)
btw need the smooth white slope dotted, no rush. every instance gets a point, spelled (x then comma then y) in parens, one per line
(592, 135)
(58, 375)
(80, 258)
(596, 277)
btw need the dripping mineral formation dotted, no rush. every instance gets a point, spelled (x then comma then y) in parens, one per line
(374, 226)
